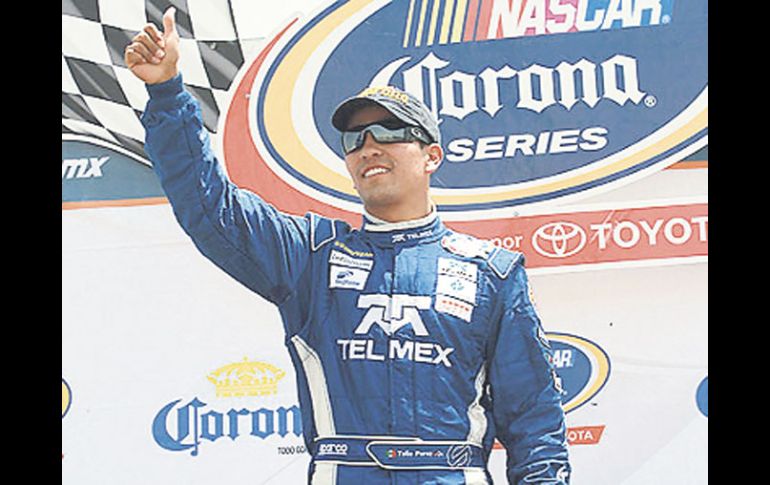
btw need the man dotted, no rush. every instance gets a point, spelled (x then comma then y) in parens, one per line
(414, 346)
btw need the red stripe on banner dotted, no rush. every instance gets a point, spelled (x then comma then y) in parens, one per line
(90, 204)
(689, 164)
(602, 236)
(484, 14)
(470, 20)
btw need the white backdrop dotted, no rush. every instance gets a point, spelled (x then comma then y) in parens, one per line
(146, 319)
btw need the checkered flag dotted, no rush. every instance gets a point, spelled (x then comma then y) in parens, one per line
(103, 99)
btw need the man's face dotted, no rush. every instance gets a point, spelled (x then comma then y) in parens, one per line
(389, 174)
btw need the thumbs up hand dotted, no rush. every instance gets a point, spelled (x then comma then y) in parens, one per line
(153, 56)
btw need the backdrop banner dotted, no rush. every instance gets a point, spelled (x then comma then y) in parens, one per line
(574, 131)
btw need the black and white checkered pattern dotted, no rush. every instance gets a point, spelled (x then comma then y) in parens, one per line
(100, 96)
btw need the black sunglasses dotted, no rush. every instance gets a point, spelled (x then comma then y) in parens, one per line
(385, 131)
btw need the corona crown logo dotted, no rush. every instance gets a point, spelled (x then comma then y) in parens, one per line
(246, 378)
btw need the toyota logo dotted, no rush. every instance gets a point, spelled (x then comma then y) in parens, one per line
(559, 239)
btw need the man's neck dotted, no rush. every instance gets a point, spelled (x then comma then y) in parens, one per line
(393, 215)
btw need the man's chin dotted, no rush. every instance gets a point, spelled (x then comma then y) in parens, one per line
(377, 197)
(374, 203)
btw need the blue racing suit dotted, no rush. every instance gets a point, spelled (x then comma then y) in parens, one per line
(414, 346)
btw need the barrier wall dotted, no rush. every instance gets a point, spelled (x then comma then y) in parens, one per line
(174, 373)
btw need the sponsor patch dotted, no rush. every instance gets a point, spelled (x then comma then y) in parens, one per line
(410, 236)
(353, 252)
(456, 287)
(347, 278)
(467, 246)
(336, 449)
(339, 258)
(462, 269)
(455, 307)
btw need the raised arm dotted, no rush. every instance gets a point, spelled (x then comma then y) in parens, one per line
(260, 247)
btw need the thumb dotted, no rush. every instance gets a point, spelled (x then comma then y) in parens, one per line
(169, 24)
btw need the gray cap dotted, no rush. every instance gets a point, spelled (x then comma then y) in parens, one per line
(399, 103)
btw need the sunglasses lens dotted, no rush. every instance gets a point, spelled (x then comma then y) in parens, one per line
(385, 135)
(353, 140)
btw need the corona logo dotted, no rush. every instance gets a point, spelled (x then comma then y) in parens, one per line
(181, 426)
(537, 100)
(246, 379)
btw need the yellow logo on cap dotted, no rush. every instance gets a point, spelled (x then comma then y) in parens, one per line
(246, 378)
(388, 91)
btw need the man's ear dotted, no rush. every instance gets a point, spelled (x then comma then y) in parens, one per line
(435, 156)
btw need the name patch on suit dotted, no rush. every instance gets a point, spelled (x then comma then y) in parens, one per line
(456, 286)
(336, 257)
(347, 278)
(461, 269)
(453, 306)
(467, 246)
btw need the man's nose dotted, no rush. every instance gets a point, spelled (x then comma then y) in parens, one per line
(370, 146)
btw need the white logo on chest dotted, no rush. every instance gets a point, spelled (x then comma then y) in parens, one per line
(391, 312)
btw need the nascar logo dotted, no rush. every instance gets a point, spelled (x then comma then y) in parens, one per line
(540, 109)
(476, 20)
(582, 366)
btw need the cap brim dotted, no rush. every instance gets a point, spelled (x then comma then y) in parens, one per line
(345, 111)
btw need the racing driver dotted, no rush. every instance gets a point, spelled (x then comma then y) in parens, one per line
(414, 346)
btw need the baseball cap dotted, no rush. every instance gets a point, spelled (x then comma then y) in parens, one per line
(399, 103)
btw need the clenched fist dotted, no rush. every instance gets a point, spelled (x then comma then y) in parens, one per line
(152, 56)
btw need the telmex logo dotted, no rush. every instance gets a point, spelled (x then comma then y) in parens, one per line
(391, 312)
(66, 397)
(83, 168)
(181, 427)
(582, 365)
(537, 99)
